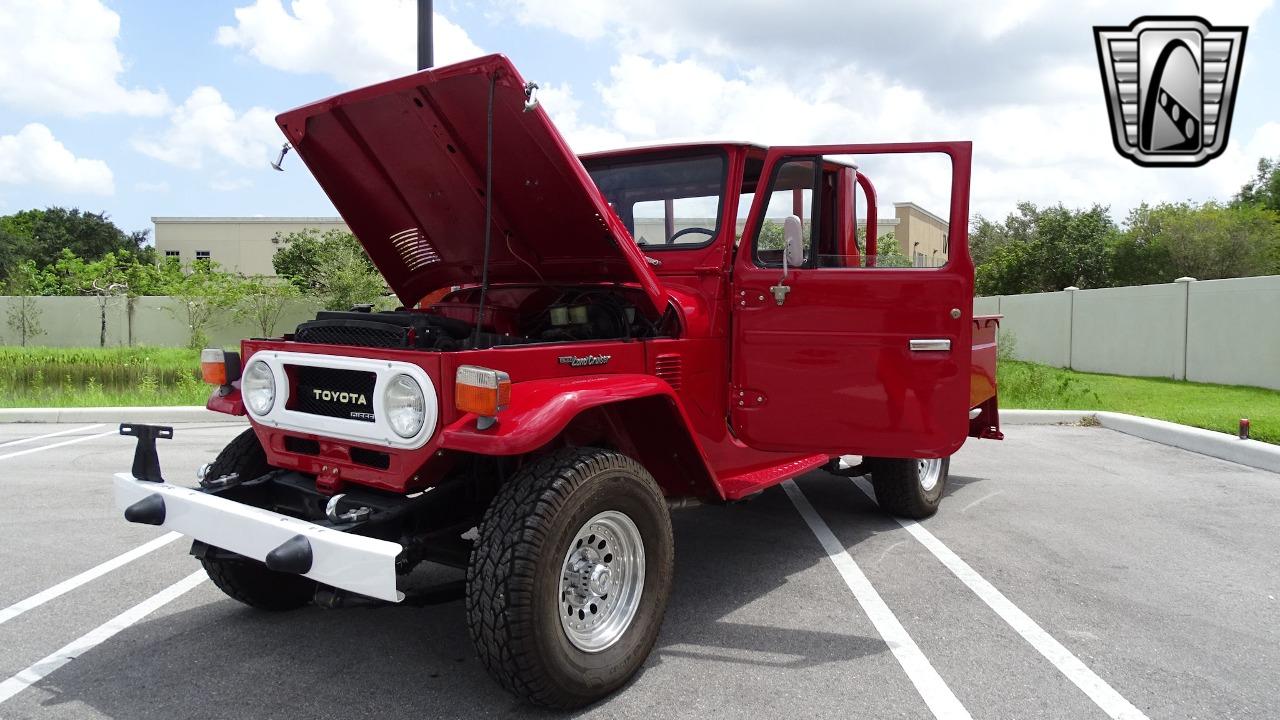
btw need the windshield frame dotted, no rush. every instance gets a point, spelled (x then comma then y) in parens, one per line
(599, 162)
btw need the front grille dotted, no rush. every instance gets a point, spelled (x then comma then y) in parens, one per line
(332, 392)
(353, 332)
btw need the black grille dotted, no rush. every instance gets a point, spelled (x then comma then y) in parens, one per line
(333, 393)
(353, 332)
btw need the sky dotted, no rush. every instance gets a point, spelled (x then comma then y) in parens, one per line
(142, 109)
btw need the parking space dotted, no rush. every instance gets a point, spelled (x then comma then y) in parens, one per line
(1141, 578)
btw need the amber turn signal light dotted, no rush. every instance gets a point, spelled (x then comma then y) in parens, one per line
(481, 391)
(218, 367)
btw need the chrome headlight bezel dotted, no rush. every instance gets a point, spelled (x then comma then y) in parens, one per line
(404, 405)
(258, 388)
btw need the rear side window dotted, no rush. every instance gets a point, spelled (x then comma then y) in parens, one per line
(791, 192)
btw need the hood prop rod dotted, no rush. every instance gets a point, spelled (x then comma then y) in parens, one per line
(488, 211)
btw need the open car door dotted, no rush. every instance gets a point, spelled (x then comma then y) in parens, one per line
(837, 353)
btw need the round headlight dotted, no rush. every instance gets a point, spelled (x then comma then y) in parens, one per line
(406, 408)
(258, 388)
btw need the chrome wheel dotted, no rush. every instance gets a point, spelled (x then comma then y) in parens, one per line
(601, 581)
(929, 471)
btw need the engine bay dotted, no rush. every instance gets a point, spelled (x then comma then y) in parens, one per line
(519, 315)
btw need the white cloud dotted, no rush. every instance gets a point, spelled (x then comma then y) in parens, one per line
(563, 107)
(205, 126)
(60, 56)
(33, 156)
(356, 42)
(960, 54)
(1018, 78)
(230, 184)
(1046, 152)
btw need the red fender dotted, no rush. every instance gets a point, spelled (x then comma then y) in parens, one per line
(230, 404)
(540, 410)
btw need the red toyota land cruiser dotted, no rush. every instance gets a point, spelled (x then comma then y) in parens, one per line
(587, 361)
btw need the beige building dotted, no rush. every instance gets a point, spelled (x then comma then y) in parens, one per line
(239, 244)
(921, 235)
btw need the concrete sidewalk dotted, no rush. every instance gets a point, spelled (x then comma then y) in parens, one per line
(1253, 453)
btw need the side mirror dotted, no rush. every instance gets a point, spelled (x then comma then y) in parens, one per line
(793, 241)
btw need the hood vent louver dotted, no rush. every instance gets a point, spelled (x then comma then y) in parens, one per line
(415, 251)
(668, 367)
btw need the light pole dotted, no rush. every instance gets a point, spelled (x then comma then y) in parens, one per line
(425, 50)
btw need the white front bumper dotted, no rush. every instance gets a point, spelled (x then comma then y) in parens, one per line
(352, 562)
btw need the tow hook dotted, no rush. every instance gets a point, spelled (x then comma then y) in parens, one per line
(350, 516)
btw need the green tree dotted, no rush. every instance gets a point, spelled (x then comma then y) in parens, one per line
(331, 266)
(24, 313)
(888, 252)
(204, 295)
(42, 235)
(262, 300)
(1206, 241)
(1043, 249)
(1264, 189)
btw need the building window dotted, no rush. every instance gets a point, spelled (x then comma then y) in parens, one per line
(202, 254)
(173, 253)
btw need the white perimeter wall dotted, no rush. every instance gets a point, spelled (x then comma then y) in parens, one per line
(159, 320)
(1220, 331)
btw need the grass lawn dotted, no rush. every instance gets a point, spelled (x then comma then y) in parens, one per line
(100, 377)
(1214, 407)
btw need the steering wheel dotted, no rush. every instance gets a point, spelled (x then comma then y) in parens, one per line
(705, 231)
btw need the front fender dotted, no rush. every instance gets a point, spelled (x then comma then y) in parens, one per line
(541, 409)
(230, 403)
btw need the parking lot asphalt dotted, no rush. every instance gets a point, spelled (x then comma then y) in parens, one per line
(1071, 573)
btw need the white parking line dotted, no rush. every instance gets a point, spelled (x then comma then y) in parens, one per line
(1102, 694)
(932, 688)
(72, 441)
(92, 573)
(74, 649)
(49, 435)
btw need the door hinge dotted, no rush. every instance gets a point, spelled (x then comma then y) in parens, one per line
(746, 398)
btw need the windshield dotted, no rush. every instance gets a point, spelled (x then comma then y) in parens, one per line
(664, 202)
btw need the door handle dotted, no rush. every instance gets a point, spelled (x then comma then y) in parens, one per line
(930, 345)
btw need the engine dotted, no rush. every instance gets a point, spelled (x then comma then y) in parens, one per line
(510, 316)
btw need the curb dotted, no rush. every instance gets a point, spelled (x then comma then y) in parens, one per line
(194, 413)
(1253, 453)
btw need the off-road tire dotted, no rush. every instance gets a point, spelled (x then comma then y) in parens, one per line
(512, 599)
(249, 581)
(899, 490)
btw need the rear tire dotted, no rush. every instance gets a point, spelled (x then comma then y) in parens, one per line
(569, 577)
(250, 581)
(910, 488)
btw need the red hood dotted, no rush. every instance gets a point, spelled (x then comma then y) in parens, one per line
(403, 162)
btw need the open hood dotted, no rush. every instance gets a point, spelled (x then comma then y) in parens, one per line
(404, 163)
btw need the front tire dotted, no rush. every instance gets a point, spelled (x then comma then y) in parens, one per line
(250, 581)
(569, 577)
(910, 488)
